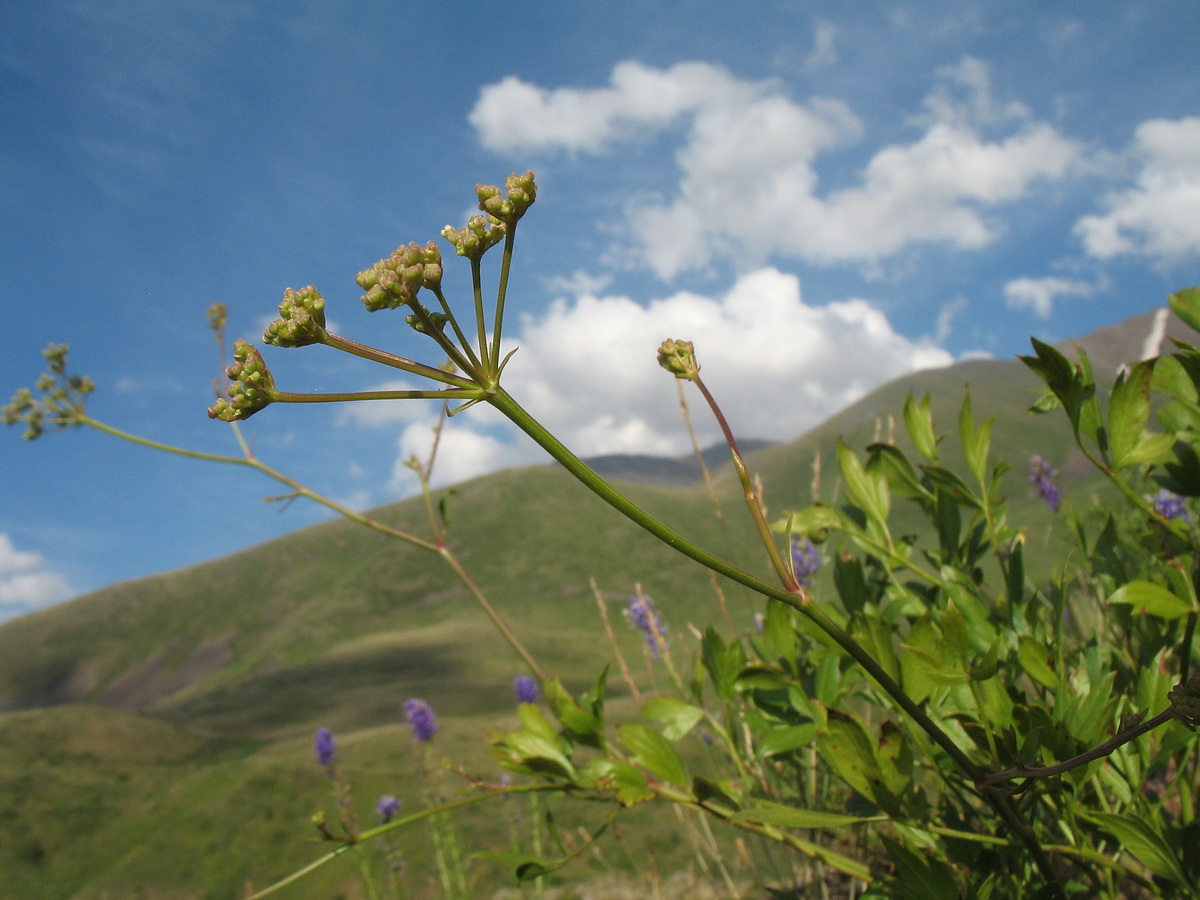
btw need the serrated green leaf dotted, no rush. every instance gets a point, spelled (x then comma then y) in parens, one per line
(901, 473)
(676, 716)
(655, 754)
(527, 751)
(1129, 412)
(1152, 599)
(1147, 845)
(814, 522)
(927, 667)
(624, 779)
(849, 750)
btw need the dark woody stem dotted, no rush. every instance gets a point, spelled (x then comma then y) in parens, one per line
(1082, 759)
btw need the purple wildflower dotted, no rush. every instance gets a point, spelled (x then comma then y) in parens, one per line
(641, 613)
(806, 559)
(1040, 474)
(527, 689)
(325, 747)
(387, 807)
(420, 716)
(1171, 506)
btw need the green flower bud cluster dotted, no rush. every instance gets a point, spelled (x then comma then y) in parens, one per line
(302, 322)
(394, 281)
(253, 386)
(1185, 701)
(679, 358)
(480, 236)
(61, 404)
(520, 192)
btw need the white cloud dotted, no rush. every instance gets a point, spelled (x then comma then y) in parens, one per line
(777, 366)
(1160, 215)
(748, 184)
(824, 53)
(25, 582)
(587, 369)
(1039, 294)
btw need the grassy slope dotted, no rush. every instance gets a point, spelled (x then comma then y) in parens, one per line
(231, 665)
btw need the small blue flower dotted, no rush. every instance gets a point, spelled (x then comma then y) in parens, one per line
(1040, 474)
(1171, 506)
(806, 559)
(420, 716)
(527, 689)
(641, 613)
(325, 747)
(387, 807)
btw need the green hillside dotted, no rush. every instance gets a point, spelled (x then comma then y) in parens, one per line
(155, 739)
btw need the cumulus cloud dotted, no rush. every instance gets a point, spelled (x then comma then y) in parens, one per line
(587, 369)
(26, 583)
(1159, 216)
(1039, 294)
(748, 183)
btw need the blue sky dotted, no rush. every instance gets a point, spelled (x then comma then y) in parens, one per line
(822, 196)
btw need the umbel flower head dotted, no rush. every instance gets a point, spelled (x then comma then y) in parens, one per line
(395, 281)
(519, 193)
(422, 720)
(679, 358)
(253, 387)
(481, 235)
(302, 319)
(1185, 701)
(62, 402)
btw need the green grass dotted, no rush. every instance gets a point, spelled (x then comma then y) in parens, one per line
(182, 766)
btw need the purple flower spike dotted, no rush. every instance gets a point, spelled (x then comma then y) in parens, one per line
(422, 720)
(325, 747)
(527, 689)
(806, 559)
(1170, 506)
(386, 808)
(641, 613)
(1040, 474)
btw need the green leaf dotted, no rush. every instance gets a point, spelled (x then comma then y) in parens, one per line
(1129, 412)
(583, 719)
(849, 750)
(626, 780)
(722, 663)
(654, 753)
(918, 419)
(814, 522)
(1151, 598)
(1186, 305)
(1035, 660)
(920, 876)
(676, 716)
(975, 441)
(763, 812)
(528, 751)
(867, 490)
(1144, 842)
(903, 477)
(785, 740)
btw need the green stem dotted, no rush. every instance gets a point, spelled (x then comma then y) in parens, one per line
(501, 292)
(399, 362)
(348, 396)
(801, 602)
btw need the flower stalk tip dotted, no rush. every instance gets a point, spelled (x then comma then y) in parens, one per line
(679, 358)
(302, 319)
(253, 386)
(421, 719)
